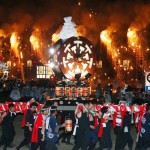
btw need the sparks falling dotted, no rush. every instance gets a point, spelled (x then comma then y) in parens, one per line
(37, 43)
(14, 41)
(55, 38)
(135, 43)
(105, 37)
(133, 39)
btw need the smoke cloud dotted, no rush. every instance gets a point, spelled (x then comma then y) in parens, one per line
(91, 18)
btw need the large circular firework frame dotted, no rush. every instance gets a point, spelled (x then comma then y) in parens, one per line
(74, 56)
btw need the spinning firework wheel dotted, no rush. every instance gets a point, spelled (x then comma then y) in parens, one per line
(74, 56)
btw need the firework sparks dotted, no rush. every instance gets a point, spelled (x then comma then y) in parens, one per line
(36, 43)
(55, 38)
(14, 43)
(105, 37)
(14, 40)
(133, 39)
(2, 33)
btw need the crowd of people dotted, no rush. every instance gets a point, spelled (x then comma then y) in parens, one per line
(17, 90)
(92, 122)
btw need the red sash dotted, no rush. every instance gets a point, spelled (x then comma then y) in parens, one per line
(100, 132)
(96, 121)
(38, 123)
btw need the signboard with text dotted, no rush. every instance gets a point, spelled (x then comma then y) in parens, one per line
(147, 81)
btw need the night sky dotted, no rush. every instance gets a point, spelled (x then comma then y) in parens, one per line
(91, 17)
(48, 14)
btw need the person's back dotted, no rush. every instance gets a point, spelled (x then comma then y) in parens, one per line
(8, 130)
(15, 94)
(83, 129)
(51, 130)
(83, 122)
(107, 98)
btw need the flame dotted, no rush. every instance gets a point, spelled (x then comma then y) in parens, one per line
(36, 43)
(14, 41)
(2, 33)
(135, 43)
(55, 38)
(133, 39)
(105, 37)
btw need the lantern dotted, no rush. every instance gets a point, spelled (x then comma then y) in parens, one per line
(29, 63)
(99, 64)
(68, 124)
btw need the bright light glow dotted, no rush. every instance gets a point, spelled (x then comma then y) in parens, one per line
(52, 65)
(55, 38)
(133, 39)
(14, 40)
(106, 38)
(52, 51)
(131, 33)
(77, 70)
(21, 55)
(35, 42)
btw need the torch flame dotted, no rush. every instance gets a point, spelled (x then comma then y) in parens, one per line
(37, 43)
(55, 38)
(105, 37)
(14, 40)
(133, 38)
(34, 42)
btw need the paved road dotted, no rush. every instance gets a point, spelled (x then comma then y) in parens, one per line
(19, 136)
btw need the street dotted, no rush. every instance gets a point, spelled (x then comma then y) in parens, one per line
(62, 146)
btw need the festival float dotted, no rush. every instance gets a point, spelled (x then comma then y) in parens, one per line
(73, 61)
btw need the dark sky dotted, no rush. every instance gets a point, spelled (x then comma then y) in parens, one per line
(91, 17)
(17, 15)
